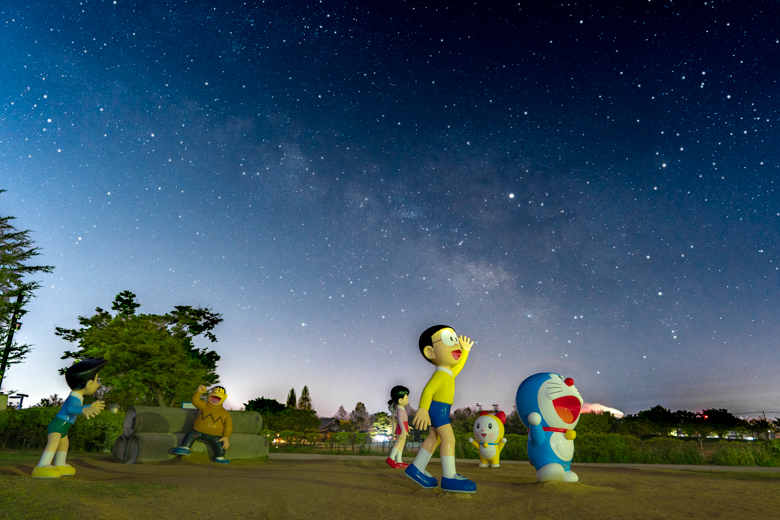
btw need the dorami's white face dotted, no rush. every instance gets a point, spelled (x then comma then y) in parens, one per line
(559, 402)
(486, 429)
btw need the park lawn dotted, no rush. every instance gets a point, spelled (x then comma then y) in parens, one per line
(359, 489)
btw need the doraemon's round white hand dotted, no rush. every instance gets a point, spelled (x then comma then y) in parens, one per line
(503, 440)
(534, 418)
(471, 439)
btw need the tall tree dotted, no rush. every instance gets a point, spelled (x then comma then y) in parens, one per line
(16, 249)
(342, 414)
(304, 402)
(152, 357)
(291, 400)
(360, 417)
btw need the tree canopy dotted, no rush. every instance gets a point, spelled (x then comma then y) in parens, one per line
(342, 415)
(152, 358)
(360, 417)
(264, 406)
(278, 417)
(381, 424)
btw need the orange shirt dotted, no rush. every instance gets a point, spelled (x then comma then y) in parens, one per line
(213, 420)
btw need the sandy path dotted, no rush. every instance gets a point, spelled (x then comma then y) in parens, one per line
(365, 487)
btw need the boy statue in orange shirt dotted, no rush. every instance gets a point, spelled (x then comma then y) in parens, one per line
(213, 425)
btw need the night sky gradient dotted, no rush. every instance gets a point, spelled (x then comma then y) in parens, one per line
(581, 189)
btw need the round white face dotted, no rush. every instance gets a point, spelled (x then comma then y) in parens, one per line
(486, 429)
(559, 403)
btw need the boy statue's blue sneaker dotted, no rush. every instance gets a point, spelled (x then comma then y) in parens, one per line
(459, 484)
(423, 478)
(181, 451)
(222, 461)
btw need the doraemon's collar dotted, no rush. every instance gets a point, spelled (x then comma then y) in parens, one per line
(445, 369)
(551, 429)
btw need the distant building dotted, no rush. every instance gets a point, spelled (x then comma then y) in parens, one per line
(329, 425)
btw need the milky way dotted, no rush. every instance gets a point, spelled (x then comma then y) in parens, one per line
(580, 189)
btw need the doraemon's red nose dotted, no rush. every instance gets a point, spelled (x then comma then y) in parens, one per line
(569, 381)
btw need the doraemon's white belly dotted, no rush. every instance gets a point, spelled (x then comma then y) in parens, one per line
(561, 446)
(487, 453)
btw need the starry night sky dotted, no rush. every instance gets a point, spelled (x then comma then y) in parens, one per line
(580, 189)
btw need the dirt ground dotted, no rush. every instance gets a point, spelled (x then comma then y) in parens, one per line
(365, 487)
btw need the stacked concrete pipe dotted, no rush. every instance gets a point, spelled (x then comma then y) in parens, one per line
(150, 433)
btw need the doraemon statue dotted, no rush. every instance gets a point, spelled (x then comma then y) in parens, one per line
(549, 407)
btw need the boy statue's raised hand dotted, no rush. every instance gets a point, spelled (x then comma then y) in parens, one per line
(465, 343)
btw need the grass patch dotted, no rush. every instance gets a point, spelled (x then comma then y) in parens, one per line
(759, 476)
(23, 498)
(757, 454)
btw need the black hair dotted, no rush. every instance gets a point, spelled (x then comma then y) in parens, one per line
(426, 338)
(78, 375)
(396, 394)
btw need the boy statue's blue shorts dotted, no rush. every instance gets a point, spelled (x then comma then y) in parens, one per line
(439, 414)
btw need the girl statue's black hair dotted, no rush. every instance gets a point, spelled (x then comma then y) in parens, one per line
(396, 394)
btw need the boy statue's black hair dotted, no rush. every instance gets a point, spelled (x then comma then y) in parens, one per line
(84, 371)
(426, 338)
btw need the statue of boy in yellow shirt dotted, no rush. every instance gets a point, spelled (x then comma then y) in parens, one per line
(442, 347)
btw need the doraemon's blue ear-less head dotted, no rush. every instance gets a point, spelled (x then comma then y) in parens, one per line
(556, 399)
(526, 399)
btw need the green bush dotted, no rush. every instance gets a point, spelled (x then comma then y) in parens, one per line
(348, 438)
(755, 453)
(295, 439)
(516, 447)
(26, 429)
(616, 448)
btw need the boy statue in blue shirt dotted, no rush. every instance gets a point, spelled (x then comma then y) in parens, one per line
(82, 378)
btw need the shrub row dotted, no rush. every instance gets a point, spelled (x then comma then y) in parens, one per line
(26, 429)
(593, 447)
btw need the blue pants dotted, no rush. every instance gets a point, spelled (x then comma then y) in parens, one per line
(213, 440)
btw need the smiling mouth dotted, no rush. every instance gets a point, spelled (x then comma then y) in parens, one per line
(214, 399)
(456, 354)
(568, 408)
